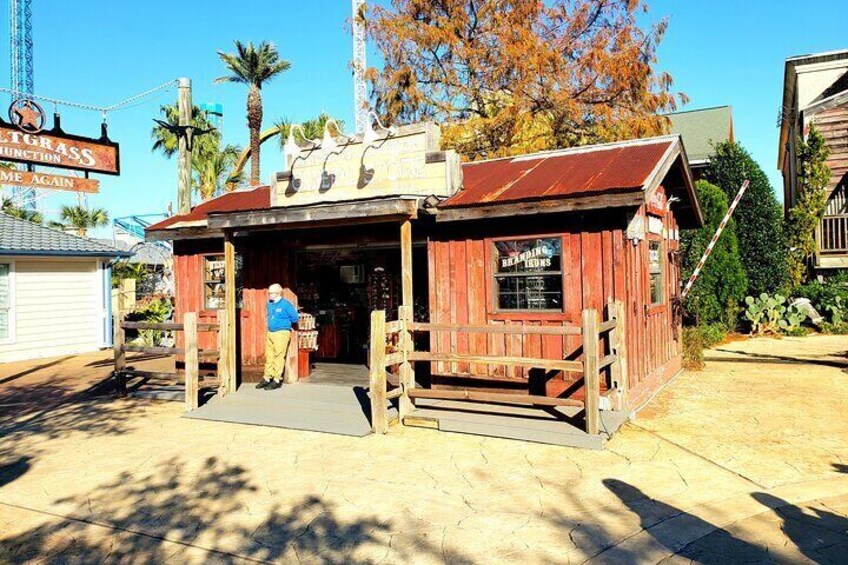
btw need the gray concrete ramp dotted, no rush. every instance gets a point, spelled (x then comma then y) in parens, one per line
(334, 409)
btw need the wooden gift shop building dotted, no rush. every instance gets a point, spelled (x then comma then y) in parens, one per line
(488, 272)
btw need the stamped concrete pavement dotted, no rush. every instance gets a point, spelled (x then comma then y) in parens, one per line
(747, 460)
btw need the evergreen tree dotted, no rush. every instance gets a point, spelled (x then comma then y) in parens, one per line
(722, 283)
(759, 216)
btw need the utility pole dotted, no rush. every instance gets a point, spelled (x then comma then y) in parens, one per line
(360, 93)
(184, 163)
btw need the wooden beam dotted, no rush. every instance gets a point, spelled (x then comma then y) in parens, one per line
(165, 326)
(492, 329)
(494, 397)
(406, 263)
(618, 346)
(224, 380)
(633, 198)
(290, 372)
(184, 154)
(377, 372)
(406, 371)
(118, 337)
(161, 350)
(192, 362)
(230, 306)
(338, 213)
(550, 364)
(591, 377)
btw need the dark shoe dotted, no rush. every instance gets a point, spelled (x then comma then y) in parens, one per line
(273, 385)
(263, 384)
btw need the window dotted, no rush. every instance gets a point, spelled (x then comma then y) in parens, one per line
(214, 282)
(655, 266)
(5, 301)
(528, 274)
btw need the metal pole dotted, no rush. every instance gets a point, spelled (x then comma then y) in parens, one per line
(713, 241)
(184, 164)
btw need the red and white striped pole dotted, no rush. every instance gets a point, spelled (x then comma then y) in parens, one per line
(713, 241)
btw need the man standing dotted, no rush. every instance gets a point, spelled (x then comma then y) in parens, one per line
(281, 316)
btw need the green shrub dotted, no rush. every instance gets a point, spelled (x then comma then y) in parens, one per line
(829, 297)
(722, 283)
(693, 348)
(759, 217)
(713, 334)
(836, 329)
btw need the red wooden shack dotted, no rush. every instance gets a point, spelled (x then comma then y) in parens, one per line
(532, 240)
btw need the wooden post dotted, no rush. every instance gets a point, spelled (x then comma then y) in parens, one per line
(591, 377)
(619, 349)
(290, 372)
(118, 337)
(223, 358)
(230, 307)
(192, 364)
(184, 160)
(406, 263)
(377, 372)
(406, 372)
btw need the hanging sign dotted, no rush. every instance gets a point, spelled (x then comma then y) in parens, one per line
(24, 141)
(47, 181)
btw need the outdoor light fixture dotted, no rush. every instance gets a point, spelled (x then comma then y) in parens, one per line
(370, 135)
(329, 143)
(292, 148)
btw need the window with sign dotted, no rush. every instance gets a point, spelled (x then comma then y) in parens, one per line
(528, 274)
(214, 283)
(655, 266)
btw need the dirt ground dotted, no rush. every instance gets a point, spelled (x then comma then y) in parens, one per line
(745, 461)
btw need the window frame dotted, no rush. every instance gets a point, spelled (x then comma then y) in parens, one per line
(203, 281)
(656, 306)
(493, 275)
(10, 338)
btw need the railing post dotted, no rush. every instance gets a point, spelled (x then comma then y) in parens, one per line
(223, 354)
(118, 338)
(377, 372)
(191, 361)
(591, 373)
(618, 348)
(406, 372)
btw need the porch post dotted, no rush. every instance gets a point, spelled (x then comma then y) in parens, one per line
(405, 314)
(230, 306)
(406, 262)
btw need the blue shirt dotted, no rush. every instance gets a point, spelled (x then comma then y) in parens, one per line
(281, 315)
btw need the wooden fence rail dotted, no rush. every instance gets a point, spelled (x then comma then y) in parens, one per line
(596, 359)
(190, 376)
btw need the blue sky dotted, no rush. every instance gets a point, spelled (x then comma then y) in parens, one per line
(718, 51)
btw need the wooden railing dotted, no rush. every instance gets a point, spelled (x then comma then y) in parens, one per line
(404, 355)
(190, 376)
(833, 234)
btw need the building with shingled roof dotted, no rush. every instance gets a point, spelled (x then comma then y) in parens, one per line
(54, 291)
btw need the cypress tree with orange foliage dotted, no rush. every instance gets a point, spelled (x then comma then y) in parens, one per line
(513, 76)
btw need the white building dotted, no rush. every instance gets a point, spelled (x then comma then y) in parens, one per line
(54, 292)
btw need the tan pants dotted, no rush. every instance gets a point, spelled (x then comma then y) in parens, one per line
(276, 345)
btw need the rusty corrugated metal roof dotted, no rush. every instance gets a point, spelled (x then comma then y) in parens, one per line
(240, 200)
(583, 170)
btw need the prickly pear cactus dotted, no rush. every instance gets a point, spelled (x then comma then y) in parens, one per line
(837, 310)
(770, 314)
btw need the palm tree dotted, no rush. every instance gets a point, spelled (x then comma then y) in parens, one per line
(82, 218)
(253, 66)
(10, 209)
(312, 129)
(213, 170)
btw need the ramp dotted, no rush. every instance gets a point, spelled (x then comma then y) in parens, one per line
(556, 426)
(334, 409)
